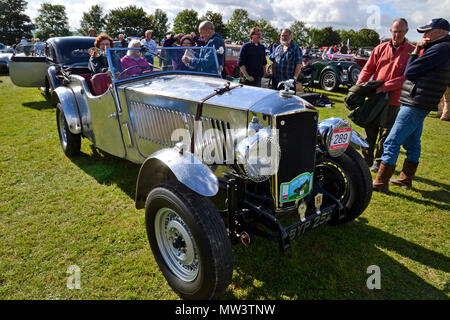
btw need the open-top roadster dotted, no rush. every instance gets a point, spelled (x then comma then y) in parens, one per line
(330, 74)
(220, 162)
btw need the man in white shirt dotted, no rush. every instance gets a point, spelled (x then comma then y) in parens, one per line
(150, 45)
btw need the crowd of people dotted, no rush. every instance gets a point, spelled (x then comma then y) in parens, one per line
(142, 52)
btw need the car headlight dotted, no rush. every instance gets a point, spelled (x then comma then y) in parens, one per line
(335, 135)
(344, 74)
(258, 155)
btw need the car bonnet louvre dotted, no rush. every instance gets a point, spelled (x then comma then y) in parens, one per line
(157, 124)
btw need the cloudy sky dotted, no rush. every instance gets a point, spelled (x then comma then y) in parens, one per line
(340, 14)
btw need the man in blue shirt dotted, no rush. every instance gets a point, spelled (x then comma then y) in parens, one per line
(252, 59)
(287, 60)
(150, 45)
(206, 62)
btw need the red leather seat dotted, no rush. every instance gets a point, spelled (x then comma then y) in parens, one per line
(87, 78)
(100, 82)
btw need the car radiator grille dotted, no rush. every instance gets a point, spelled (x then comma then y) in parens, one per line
(157, 124)
(297, 139)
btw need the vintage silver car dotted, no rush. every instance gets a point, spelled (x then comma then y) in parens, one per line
(220, 162)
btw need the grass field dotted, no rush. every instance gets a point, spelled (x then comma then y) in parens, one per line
(56, 213)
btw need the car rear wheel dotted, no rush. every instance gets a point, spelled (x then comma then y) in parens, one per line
(329, 81)
(70, 143)
(348, 179)
(354, 72)
(189, 241)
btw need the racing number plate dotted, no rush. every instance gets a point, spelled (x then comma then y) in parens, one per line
(340, 138)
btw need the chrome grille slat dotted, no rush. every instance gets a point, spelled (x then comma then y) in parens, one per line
(220, 141)
(167, 133)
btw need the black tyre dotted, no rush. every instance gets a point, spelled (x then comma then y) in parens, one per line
(354, 72)
(70, 143)
(348, 178)
(329, 81)
(189, 241)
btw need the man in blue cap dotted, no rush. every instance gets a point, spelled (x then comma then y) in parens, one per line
(427, 77)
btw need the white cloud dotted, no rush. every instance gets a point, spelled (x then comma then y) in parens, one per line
(340, 14)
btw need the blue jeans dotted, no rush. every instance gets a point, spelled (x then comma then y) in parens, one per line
(405, 132)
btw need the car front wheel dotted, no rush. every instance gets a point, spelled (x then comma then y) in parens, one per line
(329, 81)
(189, 241)
(348, 179)
(70, 143)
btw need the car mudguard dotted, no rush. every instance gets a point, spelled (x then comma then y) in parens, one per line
(357, 140)
(174, 164)
(66, 98)
(332, 68)
(54, 82)
(338, 73)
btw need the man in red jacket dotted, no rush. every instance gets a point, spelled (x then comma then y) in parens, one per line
(386, 63)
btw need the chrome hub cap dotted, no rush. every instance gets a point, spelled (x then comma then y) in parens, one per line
(329, 80)
(176, 244)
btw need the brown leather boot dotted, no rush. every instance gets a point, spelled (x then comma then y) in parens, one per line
(406, 176)
(381, 182)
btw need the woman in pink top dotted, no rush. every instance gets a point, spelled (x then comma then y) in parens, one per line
(134, 58)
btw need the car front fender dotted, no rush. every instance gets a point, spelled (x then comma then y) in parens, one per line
(54, 82)
(356, 140)
(331, 68)
(172, 164)
(68, 103)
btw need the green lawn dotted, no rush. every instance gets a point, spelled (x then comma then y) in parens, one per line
(56, 212)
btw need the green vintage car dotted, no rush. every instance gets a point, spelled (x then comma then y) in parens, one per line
(330, 74)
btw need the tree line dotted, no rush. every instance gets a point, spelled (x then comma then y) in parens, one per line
(134, 21)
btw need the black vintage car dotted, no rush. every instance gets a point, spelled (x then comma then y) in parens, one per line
(39, 64)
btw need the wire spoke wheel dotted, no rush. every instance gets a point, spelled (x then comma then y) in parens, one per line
(329, 81)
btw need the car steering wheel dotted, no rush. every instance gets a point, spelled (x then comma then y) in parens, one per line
(133, 67)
